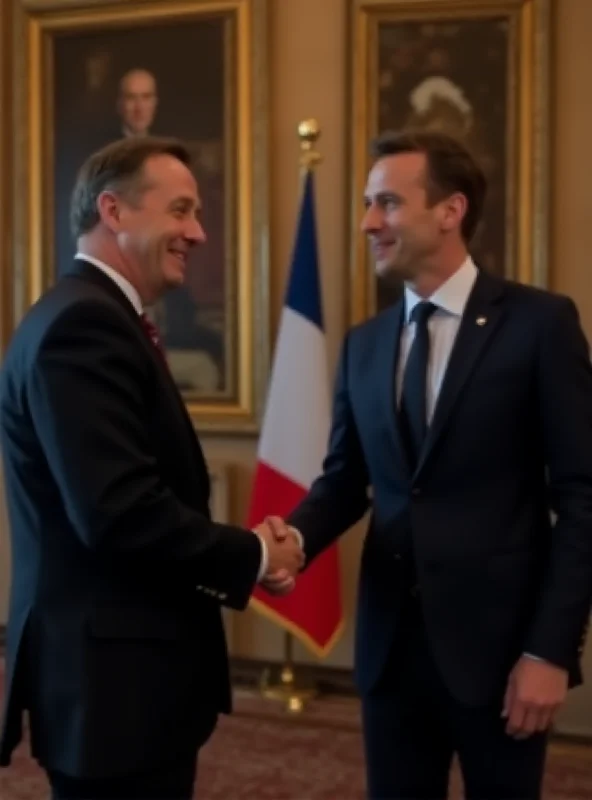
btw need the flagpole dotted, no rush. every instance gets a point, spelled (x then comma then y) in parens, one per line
(290, 690)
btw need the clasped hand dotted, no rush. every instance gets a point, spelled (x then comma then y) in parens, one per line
(284, 553)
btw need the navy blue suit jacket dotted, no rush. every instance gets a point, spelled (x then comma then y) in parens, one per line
(511, 438)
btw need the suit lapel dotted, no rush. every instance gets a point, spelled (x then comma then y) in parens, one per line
(387, 370)
(87, 271)
(483, 314)
(177, 398)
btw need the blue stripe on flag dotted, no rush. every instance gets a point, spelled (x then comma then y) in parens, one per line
(304, 290)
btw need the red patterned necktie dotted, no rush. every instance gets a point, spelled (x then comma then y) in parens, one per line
(153, 334)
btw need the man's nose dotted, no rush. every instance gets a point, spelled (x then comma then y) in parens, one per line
(372, 219)
(195, 232)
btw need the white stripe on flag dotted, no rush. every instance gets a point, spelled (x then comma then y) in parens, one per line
(296, 427)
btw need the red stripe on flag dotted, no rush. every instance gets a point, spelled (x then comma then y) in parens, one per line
(313, 611)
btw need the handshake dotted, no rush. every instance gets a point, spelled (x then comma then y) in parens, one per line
(285, 556)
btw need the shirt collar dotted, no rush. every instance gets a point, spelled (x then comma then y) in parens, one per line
(126, 287)
(452, 296)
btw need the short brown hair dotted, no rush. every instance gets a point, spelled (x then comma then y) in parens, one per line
(450, 168)
(117, 167)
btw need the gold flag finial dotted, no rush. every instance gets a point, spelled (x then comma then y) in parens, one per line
(308, 133)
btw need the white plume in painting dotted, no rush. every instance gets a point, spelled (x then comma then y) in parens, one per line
(438, 87)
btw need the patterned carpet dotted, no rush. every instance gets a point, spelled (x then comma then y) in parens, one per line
(262, 753)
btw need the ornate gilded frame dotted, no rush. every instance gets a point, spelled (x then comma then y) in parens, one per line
(527, 130)
(6, 122)
(36, 24)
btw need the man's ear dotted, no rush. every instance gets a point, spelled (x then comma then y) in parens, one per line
(109, 209)
(454, 209)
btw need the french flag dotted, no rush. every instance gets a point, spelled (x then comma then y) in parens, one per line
(294, 439)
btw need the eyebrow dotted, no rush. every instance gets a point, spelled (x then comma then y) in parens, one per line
(186, 202)
(384, 197)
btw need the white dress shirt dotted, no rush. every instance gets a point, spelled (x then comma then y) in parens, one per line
(133, 296)
(450, 301)
(126, 287)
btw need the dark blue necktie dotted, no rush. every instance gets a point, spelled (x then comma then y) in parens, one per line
(412, 411)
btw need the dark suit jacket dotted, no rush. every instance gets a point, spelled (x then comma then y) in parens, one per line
(115, 639)
(511, 437)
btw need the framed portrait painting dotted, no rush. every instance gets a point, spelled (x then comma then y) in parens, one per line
(89, 74)
(476, 69)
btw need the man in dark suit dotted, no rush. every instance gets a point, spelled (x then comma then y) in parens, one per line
(115, 641)
(467, 409)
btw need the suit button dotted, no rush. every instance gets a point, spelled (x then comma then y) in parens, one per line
(398, 556)
(416, 491)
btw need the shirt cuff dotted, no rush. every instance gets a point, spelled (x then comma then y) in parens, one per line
(298, 535)
(264, 559)
(533, 658)
(265, 555)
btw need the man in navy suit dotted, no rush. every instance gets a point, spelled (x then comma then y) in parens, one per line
(467, 408)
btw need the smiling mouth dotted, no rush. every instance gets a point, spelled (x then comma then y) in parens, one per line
(181, 255)
(380, 248)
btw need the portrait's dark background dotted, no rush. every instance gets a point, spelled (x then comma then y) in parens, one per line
(189, 63)
(452, 76)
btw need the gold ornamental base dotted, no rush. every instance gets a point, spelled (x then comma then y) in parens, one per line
(284, 687)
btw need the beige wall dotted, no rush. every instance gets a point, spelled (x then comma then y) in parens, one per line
(571, 197)
(308, 79)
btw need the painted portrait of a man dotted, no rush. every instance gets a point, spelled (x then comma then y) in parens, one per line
(168, 81)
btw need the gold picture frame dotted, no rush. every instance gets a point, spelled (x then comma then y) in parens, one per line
(6, 305)
(210, 69)
(477, 68)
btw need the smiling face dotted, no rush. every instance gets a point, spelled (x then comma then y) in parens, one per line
(156, 226)
(406, 232)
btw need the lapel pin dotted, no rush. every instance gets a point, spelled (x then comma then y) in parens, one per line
(481, 320)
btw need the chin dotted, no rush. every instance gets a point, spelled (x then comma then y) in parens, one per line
(401, 272)
(390, 273)
(176, 280)
(384, 269)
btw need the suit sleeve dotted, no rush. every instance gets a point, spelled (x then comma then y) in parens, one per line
(86, 393)
(565, 396)
(338, 498)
